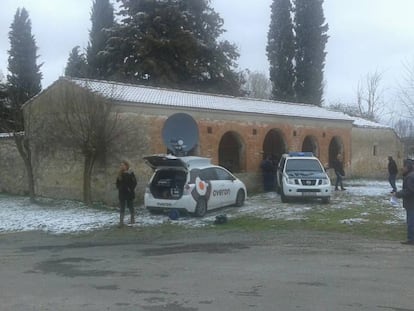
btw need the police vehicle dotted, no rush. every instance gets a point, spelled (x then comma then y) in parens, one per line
(301, 175)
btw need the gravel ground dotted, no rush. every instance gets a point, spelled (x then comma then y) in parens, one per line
(45, 265)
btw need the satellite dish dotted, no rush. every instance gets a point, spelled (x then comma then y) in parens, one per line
(180, 133)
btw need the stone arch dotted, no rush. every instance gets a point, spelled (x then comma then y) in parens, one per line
(310, 144)
(231, 153)
(336, 147)
(274, 144)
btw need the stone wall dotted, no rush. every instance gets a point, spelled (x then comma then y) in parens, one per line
(370, 150)
(13, 178)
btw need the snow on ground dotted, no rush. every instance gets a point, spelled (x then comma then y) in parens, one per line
(59, 216)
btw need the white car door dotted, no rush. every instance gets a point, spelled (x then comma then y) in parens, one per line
(225, 187)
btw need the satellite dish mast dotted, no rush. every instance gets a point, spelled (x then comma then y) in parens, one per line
(180, 134)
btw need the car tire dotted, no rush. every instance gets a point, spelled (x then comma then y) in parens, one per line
(283, 197)
(201, 208)
(240, 198)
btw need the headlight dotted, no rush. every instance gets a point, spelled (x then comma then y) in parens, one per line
(325, 182)
(290, 181)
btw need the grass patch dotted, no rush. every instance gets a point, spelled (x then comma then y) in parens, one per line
(367, 218)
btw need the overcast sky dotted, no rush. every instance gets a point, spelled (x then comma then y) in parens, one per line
(364, 36)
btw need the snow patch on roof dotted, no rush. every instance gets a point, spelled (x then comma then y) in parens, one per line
(359, 122)
(167, 97)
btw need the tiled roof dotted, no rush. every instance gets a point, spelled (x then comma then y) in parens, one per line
(183, 99)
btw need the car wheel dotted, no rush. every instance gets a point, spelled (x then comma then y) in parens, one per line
(240, 198)
(283, 197)
(201, 208)
(326, 200)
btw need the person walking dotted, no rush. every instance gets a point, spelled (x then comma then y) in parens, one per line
(407, 195)
(126, 183)
(338, 167)
(392, 173)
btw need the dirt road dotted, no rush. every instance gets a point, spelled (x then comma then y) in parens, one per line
(128, 269)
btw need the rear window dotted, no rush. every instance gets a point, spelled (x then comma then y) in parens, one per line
(303, 165)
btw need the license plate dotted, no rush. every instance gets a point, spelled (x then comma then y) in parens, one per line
(309, 194)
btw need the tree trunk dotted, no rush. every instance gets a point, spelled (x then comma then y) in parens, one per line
(23, 146)
(87, 174)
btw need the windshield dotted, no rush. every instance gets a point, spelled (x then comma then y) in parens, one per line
(303, 165)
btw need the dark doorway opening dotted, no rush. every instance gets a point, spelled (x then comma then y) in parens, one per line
(231, 152)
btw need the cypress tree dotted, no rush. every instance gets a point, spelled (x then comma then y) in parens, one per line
(5, 118)
(76, 66)
(311, 38)
(102, 18)
(24, 82)
(281, 51)
(24, 78)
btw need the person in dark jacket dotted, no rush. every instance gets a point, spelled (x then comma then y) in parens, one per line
(392, 173)
(338, 167)
(407, 194)
(268, 172)
(126, 183)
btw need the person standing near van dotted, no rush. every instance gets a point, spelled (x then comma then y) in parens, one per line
(338, 166)
(392, 173)
(126, 183)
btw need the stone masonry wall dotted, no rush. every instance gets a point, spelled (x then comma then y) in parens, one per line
(370, 150)
(13, 178)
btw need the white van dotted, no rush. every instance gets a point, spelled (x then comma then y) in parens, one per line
(191, 184)
(301, 175)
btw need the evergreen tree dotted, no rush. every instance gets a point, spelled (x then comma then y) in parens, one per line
(311, 38)
(281, 51)
(76, 66)
(24, 78)
(173, 43)
(5, 118)
(24, 82)
(102, 18)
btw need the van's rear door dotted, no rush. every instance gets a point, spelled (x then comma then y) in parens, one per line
(164, 160)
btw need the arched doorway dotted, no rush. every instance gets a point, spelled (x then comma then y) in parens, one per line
(231, 152)
(335, 147)
(274, 145)
(310, 144)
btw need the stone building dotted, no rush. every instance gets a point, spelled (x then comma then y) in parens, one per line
(372, 143)
(234, 132)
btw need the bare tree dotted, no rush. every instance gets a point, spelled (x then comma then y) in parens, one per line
(370, 96)
(11, 120)
(88, 123)
(406, 94)
(257, 85)
(404, 128)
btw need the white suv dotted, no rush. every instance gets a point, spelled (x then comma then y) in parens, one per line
(301, 175)
(190, 184)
